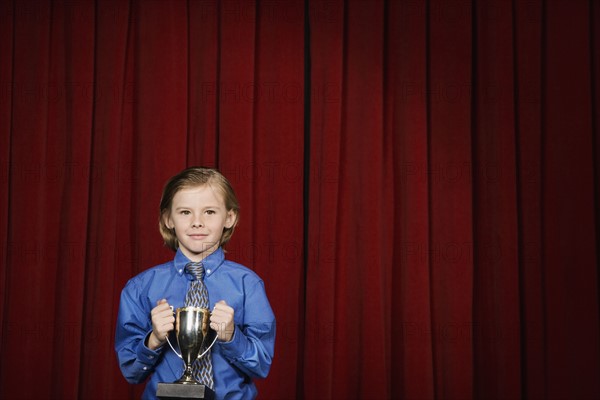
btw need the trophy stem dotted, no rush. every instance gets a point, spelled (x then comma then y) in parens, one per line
(187, 377)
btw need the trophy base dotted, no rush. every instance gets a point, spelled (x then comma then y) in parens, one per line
(176, 391)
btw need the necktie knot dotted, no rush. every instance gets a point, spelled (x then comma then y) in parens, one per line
(196, 269)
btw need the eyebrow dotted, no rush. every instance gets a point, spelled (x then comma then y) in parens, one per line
(189, 207)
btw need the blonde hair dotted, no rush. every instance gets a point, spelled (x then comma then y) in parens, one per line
(191, 177)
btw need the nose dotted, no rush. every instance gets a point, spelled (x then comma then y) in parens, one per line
(197, 222)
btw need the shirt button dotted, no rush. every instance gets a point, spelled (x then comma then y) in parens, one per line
(208, 271)
(151, 357)
(145, 368)
(180, 271)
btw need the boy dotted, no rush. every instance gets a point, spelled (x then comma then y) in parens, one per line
(198, 214)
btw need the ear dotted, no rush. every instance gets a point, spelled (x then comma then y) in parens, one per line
(230, 219)
(166, 218)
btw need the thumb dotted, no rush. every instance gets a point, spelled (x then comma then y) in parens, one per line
(162, 301)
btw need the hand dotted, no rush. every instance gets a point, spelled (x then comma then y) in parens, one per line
(162, 324)
(221, 321)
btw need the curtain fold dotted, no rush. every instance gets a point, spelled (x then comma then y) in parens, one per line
(496, 296)
(419, 186)
(568, 238)
(406, 120)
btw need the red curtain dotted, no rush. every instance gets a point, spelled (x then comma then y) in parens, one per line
(419, 183)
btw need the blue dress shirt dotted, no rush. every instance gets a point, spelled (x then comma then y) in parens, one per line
(249, 353)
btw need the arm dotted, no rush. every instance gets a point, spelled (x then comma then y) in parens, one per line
(252, 346)
(133, 332)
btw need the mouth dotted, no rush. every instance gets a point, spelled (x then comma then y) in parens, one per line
(198, 236)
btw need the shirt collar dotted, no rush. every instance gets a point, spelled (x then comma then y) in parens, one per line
(211, 263)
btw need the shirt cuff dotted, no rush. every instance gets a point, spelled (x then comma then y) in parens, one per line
(234, 349)
(146, 355)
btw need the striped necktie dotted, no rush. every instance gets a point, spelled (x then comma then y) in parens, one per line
(197, 296)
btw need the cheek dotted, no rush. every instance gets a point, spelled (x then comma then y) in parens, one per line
(178, 220)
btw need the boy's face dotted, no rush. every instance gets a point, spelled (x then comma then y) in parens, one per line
(199, 216)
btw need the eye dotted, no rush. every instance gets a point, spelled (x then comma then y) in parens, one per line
(211, 212)
(185, 212)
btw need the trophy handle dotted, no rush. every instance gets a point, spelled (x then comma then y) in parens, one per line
(168, 341)
(172, 348)
(209, 347)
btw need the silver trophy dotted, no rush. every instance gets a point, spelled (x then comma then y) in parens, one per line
(194, 337)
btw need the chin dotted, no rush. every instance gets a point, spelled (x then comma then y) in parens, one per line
(203, 250)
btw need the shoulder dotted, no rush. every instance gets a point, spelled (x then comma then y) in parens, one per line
(239, 270)
(238, 285)
(239, 276)
(147, 277)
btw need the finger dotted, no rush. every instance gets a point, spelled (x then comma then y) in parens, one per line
(166, 327)
(218, 326)
(222, 307)
(163, 309)
(164, 313)
(218, 315)
(165, 322)
(222, 316)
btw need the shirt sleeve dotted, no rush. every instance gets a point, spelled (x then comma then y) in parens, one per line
(252, 347)
(133, 328)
